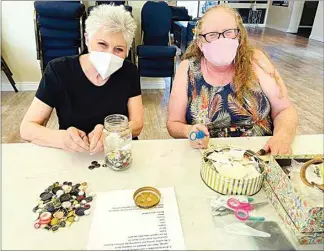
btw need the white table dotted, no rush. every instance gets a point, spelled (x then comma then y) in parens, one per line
(28, 169)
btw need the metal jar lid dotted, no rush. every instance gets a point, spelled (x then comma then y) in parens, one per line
(147, 197)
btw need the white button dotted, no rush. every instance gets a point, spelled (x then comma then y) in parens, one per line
(59, 193)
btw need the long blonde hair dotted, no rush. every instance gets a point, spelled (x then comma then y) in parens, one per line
(244, 77)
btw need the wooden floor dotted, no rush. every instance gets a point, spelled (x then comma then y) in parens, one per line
(299, 61)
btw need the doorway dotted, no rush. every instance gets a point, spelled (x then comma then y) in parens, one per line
(307, 18)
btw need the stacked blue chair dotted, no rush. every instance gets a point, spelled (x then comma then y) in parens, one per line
(179, 13)
(155, 56)
(59, 28)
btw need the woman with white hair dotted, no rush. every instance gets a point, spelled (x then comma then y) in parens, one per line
(84, 89)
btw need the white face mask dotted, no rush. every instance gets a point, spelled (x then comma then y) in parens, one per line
(105, 63)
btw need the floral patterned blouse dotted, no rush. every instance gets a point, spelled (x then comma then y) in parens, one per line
(218, 108)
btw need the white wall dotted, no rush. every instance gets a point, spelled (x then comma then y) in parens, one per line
(279, 17)
(318, 27)
(296, 15)
(18, 40)
(137, 8)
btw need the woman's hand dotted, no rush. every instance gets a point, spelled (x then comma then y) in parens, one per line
(279, 144)
(96, 139)
(198, 143)
(74, 140)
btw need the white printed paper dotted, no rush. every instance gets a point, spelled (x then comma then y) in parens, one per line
(118, 224)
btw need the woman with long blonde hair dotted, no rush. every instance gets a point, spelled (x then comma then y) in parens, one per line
(224, 87)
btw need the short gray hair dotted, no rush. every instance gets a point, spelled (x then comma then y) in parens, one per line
(112, 19)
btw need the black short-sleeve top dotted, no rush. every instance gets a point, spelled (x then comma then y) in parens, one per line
(80, 103)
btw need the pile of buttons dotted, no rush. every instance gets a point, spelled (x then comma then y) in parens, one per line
(62, 204)
(119, 159)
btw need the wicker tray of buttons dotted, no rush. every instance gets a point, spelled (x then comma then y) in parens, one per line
(230, 170)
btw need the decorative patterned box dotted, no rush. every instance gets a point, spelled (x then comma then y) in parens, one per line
(303, 216)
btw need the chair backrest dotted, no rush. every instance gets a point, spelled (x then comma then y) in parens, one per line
(179, 13)
(156, 23)
(60, 28)
(190, 31)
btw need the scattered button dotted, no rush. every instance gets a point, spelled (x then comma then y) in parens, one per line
(54, 221)
(55, 228)
(91, 167)
(46, 196)
(80, 198)
(65, 188)
(55, 189)
(70, 219)
(74, 192)
(50, 209)
(35, 209)
(59, 193)
(89, 199)
(65, 197)
(80, 211)
(66, 204)
(45, 216)
(71, 213)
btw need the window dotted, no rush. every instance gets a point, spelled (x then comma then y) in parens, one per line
(281, 3)
(192, 7)
(205, 5)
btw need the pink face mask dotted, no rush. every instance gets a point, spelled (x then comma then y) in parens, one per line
(220, 52)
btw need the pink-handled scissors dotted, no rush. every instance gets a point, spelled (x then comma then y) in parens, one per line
(241, 209)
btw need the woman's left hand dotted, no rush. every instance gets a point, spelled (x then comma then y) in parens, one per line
(279, 145)
(96, 139)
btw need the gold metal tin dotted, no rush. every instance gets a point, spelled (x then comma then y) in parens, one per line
(147, 197)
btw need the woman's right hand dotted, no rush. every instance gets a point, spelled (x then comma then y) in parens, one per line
(198, 143)
(74, 140)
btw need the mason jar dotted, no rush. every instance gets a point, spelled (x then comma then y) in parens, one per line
(117, 142)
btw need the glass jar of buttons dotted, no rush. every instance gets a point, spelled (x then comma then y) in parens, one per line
(117, 142)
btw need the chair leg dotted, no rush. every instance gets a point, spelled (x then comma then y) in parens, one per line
(8, 73)
(171, 82)
(12, 82)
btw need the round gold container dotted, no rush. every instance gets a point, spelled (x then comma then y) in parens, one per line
(147, 197)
